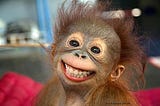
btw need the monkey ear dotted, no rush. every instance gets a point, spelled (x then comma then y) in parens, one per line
(115, 75)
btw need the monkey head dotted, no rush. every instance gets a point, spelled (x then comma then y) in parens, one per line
(88, 53)
(97, 59)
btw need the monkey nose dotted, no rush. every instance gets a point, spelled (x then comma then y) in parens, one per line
(80, 55)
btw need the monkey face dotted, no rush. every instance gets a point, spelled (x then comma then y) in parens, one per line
(74, 63)
(85, 60)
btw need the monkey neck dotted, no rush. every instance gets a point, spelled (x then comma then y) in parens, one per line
(73, 99)
(75, 96)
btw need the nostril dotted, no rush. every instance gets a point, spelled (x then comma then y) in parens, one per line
(76, 54)
(80, 55)
(83, 57)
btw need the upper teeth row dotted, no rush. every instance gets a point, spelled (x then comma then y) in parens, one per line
(76, 73)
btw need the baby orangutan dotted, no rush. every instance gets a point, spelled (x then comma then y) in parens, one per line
(96, 60)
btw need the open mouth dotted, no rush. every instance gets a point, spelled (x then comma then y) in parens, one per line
(76, 74)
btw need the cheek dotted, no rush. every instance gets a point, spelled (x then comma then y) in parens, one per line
(103, 58)
(57, 66)
(104, 71)
(56, 61)
(58, 69)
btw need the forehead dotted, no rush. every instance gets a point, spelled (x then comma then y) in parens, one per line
(93, 30)
(81, 36)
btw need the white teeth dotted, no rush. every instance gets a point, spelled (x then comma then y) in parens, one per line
(66, 66)
(78, 76)
(76, 73)
(81, 76)
(88, 73)
(80, 73)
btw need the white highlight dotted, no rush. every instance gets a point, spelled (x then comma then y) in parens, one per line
(2, 24)
(89, 1)
(114, 14)
(136, 12)
(119, 14)
(35, 33)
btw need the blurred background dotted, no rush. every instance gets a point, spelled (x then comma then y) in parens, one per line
(25, 24)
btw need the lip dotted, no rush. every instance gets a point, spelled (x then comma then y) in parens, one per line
(75, 79)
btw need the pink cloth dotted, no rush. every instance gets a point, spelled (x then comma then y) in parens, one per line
(150, 97)
(19, 90)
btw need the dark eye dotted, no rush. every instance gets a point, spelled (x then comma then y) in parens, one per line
(95, 50)
(74, 43)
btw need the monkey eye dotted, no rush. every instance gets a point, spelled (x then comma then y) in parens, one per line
(95, 49)
(74, 43)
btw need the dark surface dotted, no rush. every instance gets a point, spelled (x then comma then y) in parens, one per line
(152, 76)
(31, 62)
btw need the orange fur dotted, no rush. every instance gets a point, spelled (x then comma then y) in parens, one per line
(109, 92)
